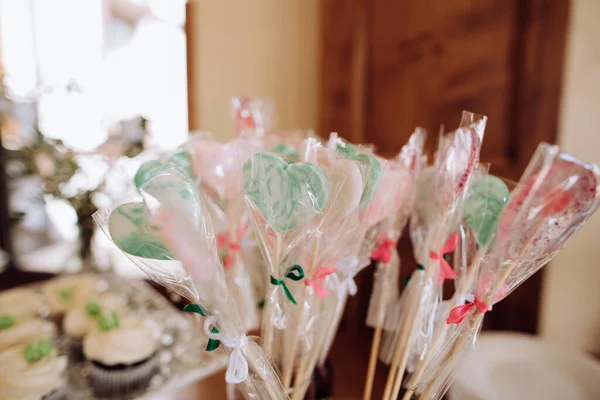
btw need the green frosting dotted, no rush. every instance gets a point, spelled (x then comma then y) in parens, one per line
(93, 308)
(285, 195)
(109, 323)
(483, 206)
(287, 151)
(35, 351)
(66, 293)
(372, 174)
(6, 321)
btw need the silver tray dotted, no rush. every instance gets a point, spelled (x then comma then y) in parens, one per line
(183, 359)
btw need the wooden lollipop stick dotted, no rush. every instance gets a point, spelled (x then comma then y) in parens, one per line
(441, 332)
(374, 349)
(290, 351)
(268, 384)
(288, 364)
(401, 343)
(477, 315)
(372, 363)
(304, 371)
(268, 327)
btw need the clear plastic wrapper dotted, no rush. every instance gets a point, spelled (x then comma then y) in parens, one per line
(350, 253)
(456, 160)
(307, 216)
(251, 115)
(287, 203)
(554, 198)
(387, 215)
(290, 144)
(482, 207)
(219, 168)
(166, 230)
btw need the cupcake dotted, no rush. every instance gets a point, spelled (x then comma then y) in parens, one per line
(83, 317)
(123, 355)
(19, 304)
(67, 291)
(32, 371)
(22, 331)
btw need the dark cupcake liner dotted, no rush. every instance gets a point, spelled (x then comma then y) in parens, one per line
(75, 348)
(122, 380)
(57, 394)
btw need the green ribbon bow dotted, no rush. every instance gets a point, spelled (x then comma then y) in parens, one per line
(6, 321)
(195, 308)
(35, 351)
(420, 268)
(65, 294)
(295, 273)
(109, 323)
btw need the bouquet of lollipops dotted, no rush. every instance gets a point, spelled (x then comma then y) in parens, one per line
(320, 211)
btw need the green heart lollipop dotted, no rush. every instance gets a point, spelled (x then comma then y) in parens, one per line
(347, 149)
(285, 195)
(147, 170)
(483, 207)
(372, 172)
(183, 163)
(287, 151)
(129, 224)
(144, 173)
(130, 229)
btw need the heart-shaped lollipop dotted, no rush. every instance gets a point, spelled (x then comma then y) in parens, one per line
(547, 206)
(391, 194)
(219, 165)
(285, 195)
(130, 229)
(483, 207)
(129, 224)
(371, 176)
(181, 160)
(455, 163)
(288, 151)
(346, 184)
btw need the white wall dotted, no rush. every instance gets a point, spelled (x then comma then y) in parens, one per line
(266, 48)
(571, 296)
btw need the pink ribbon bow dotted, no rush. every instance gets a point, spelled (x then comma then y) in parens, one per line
(446, 271)
(315, 281)
(223, 239)
(458, 314)
(383, 252)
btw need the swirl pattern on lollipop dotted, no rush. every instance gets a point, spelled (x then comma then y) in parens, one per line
(285, 195)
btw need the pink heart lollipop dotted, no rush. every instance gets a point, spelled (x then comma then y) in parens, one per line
(456, 160)
(220, 165)
(391, 194)
(552, 200)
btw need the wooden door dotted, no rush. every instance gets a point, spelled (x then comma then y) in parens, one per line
(391, 65)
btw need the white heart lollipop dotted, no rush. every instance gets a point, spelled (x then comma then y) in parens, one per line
(345, 180)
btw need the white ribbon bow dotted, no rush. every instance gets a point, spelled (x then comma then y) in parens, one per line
(237, 371)
(348, 267)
